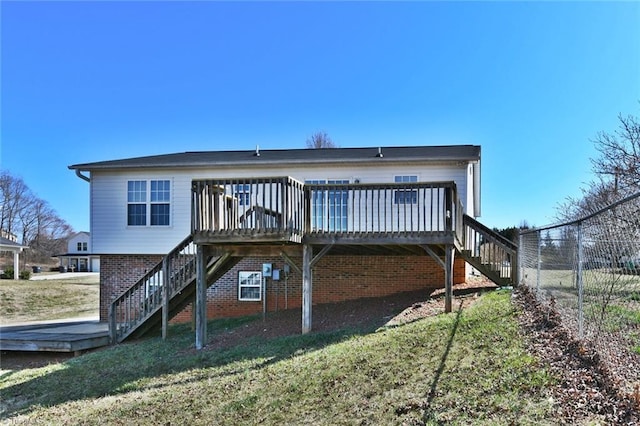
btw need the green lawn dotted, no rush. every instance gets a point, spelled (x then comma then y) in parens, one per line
(465, 367)
(23, 300)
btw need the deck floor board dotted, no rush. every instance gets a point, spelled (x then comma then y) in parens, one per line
(54, 336)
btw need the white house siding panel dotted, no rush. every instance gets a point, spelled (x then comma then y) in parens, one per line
(80, 237)
(110, 232)
(111, 235)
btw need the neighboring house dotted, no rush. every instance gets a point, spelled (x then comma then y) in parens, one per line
(10, 245)
(79, 257)
(378, 220)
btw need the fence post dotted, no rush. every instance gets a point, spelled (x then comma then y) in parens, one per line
(520, 265)
(580, 284)
(539, 235)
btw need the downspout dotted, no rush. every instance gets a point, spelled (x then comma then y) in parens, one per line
(476, 189)
(81, 176)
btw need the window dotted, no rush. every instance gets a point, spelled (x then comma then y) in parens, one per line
(136, 199)
(338, 207)
(329, 208)
(243, 194)
(82, 247)
(152, 206)
(250, 285)
(405, 196)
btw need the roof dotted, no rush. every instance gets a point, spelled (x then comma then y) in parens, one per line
(6, 244)
(292, 156)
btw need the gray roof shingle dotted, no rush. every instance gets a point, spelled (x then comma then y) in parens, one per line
(291, 156)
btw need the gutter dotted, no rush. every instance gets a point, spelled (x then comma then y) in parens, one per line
(81, 176)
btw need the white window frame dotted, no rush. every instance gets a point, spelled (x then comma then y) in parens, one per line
(256, 282)
(405, 196)
(148, 199)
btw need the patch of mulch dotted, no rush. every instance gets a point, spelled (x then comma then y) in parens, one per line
(588, 390)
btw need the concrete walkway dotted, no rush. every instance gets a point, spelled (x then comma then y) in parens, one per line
(62, 276)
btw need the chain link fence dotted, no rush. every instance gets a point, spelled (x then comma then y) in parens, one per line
(589, 270)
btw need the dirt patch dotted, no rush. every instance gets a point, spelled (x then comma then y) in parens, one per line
(16, 360)
(362, 314)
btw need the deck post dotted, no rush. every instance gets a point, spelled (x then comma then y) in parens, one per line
(201, 298)
(448, 277)
(113, 325)
(165, 297)
(307, 285)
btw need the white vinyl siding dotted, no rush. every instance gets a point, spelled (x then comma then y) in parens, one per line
(111, 235)
(79, 243)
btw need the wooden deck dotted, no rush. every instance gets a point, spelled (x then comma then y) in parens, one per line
(281, 210)
(73, 336)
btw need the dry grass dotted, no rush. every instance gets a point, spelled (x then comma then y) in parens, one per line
(467, 367)
(22, 301)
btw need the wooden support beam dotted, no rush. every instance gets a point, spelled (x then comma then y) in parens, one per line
(255, 250)
(307, 285)
(201, 298)
(290, 262)
(448, 277)
(435, 257)
(319, 256)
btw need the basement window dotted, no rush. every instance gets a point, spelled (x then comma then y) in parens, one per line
(250, 286)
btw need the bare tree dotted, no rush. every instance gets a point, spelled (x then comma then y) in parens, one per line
(619, 159)
(616, 170)
(30, 218)
(14, 198)
(320, 140)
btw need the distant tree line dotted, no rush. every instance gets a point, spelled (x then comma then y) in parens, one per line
(31, 219)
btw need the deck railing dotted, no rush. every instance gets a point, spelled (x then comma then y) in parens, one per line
(494, 255)
(394, 208)
(256, 207)
(288, 209)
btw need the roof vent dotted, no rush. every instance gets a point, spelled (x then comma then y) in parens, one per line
(379, 154)
(257, 153)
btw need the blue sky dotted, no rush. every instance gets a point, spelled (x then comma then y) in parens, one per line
(532, 83)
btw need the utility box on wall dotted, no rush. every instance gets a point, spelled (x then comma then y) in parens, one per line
(266, 270)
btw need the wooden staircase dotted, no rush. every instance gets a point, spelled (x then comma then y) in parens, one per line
(138, 310)
(490, 253)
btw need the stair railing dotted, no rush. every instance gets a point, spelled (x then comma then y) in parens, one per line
(129, 310)
(490, 252)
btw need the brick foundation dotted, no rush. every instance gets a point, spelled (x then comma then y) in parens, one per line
(335, 279)
(118, 273)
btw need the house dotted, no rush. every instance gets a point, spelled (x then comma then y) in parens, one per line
(232, 233)
(79, 257)
(11, 245)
